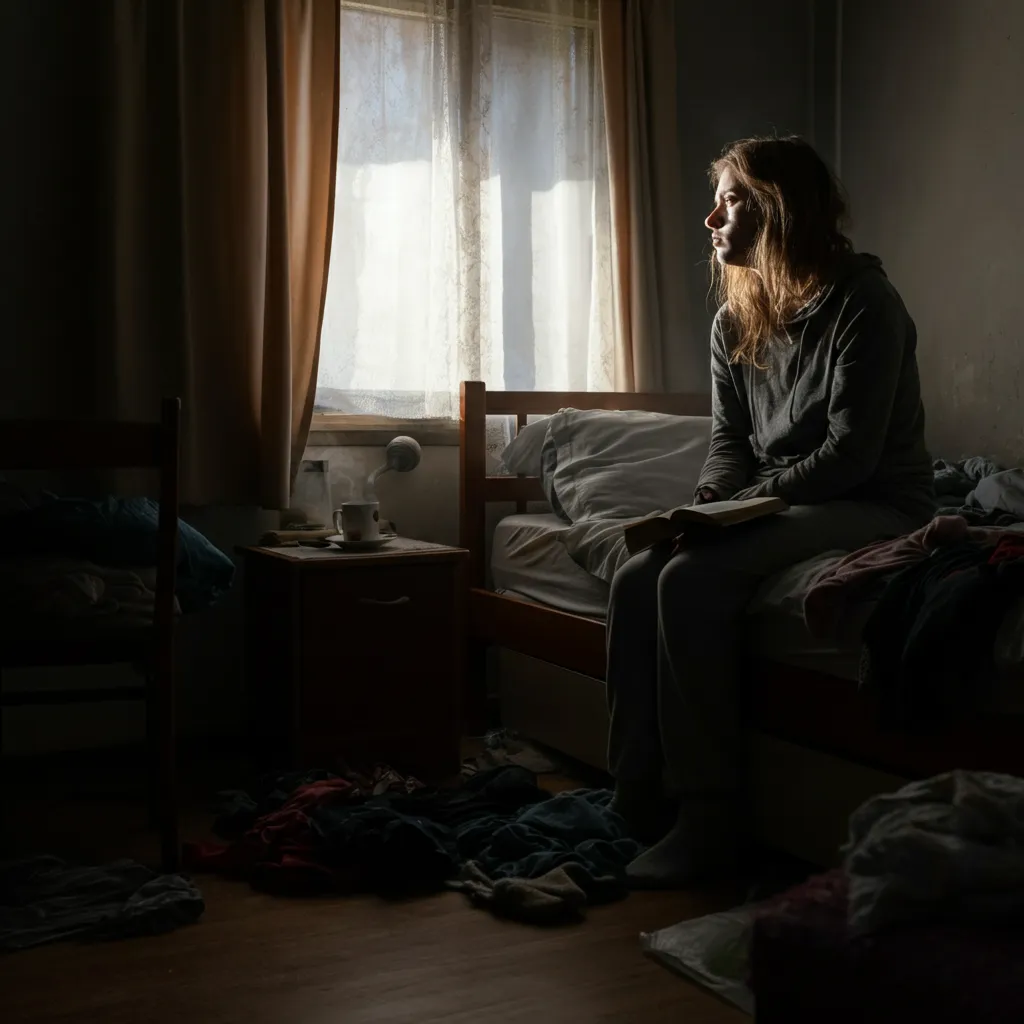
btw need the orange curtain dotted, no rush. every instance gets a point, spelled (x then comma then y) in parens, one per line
(640, 71)
(222, 139)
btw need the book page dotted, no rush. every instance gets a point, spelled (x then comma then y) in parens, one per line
(715, 508)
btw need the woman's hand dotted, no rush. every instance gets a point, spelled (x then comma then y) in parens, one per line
(705, 496)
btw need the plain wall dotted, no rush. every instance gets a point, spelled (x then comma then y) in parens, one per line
(932, 132)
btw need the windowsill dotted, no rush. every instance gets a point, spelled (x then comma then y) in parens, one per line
(339, 430)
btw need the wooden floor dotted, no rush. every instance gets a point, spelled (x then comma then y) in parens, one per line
(256, 958)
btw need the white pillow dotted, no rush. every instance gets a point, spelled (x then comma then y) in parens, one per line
(599, 464)
(522, 454)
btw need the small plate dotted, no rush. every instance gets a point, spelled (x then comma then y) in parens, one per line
(361, 545)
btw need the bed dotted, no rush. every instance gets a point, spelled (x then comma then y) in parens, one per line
(541, 617)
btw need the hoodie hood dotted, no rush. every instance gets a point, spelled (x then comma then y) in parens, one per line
(851, 266)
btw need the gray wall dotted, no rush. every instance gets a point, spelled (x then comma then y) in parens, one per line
(932, 104)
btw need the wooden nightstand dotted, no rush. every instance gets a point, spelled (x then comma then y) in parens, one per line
(355, 656)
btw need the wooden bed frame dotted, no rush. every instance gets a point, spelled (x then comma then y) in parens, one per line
(560, 638)
(806, 708)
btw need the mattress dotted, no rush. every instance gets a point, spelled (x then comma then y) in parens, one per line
(529, 560)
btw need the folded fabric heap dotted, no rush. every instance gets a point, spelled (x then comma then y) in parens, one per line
(499, 837)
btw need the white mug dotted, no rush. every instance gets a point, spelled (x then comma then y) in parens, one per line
(358, 520)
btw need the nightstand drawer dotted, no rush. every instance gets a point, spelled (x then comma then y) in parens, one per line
(379, 664)
(378, 597)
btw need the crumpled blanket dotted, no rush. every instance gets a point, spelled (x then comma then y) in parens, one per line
(980, 490)
(948, 848)
(44, 899)
(955, 480)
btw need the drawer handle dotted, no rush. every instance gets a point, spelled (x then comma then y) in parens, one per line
(382, 603)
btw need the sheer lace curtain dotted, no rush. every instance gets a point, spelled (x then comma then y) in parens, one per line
(472, 225)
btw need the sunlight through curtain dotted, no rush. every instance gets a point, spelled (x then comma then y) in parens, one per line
(472, 229)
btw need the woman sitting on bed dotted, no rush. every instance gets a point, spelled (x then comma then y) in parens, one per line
(816, 400)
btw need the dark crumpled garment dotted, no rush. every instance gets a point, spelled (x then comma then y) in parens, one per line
(957, 479)
(576, 827)
(929, 641)
(573, 847)
(958, 493)
(120, 533)
(44, 899)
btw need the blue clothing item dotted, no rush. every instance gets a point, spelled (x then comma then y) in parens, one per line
(119, 533)
(576, 827)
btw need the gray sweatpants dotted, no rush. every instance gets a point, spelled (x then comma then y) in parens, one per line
(674, 634)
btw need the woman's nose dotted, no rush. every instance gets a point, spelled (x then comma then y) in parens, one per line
(714, 218)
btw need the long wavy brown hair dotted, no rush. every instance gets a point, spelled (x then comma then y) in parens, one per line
(801, 210)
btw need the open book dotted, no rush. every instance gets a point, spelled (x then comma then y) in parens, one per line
(695, 520)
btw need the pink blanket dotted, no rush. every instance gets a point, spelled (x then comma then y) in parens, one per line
(845, 582)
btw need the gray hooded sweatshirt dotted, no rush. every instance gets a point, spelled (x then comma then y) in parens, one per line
(837, 414)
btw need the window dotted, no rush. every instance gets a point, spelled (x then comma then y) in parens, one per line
(472, 230)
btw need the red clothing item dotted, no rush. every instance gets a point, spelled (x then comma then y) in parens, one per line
(1009, 548)
(280, 852)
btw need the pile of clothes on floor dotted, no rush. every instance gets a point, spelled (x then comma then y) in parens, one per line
(508, 844)
(941, 598)
(46, 899)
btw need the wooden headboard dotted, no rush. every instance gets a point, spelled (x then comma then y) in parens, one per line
(476, 488)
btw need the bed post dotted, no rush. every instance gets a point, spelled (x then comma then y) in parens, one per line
(472, 471)
(472, 529)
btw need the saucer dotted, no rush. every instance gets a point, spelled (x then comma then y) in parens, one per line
(361, 545)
